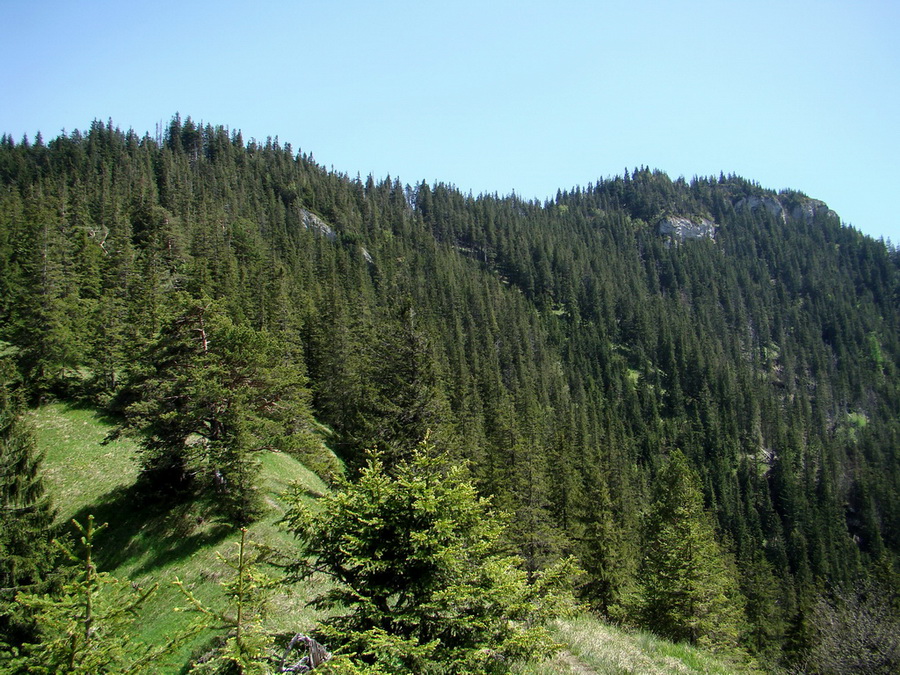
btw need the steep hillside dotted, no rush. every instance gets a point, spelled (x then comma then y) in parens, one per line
(595, 648)
(89, 475)
(571, 350)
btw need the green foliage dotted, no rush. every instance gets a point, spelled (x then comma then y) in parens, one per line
(605, 555)
(87, 626)
(25, 510)
(26, 514)
(150, 544)
(422, 580)
(689, 589)
(765, 609)
(51, 309)
(247, 646)
(547, 343)
(406, 403)
(209, 396)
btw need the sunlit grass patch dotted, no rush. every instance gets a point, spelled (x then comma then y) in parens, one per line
(596, 648)
(80, 465)
(147, 544)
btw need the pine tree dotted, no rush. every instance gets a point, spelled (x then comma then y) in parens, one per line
(421, 578)
(689, 589)
(209, 396)
(86, 628)
(246, 648)
(48, 331)
(765, 608)
(605, 554)
(26, 513)
(405, 403)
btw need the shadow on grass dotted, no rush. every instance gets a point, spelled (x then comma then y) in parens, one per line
(103, 415)
(147, 534)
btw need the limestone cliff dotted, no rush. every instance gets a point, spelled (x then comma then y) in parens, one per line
(681, 229)
(809, 209)
(770, 204)
(794, 205)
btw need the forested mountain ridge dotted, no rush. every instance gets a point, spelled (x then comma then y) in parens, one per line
(568, 349)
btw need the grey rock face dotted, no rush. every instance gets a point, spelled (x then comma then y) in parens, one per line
(810, 209)
(312, 222)
(681, 229)
(770, 204)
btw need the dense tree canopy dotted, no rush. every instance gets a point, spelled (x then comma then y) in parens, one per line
(207, 397)
(563, 348)
(690, 591)
(423, 584)
(26, 512)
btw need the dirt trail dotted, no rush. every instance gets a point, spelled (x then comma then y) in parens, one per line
(574, 664)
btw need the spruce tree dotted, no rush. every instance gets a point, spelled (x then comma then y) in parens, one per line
(605, 553)
(207, 398)
(26, 513)
(247, 647)
(689, 589)
(48, 331)
(422, 584)
(86, 628)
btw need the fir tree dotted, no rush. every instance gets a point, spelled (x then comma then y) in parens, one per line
(689, 590)
(209, 397)
(86, 628)
(421, 579)
(247, 647)
(605, 554)
(26, 513)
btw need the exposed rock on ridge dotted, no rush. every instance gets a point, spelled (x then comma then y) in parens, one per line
(802, 208)
(770, 204)
(810, 209)
(681, 229)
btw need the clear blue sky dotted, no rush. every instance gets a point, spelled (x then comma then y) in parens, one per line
(492, 96)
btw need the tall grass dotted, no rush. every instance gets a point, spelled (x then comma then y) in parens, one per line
(596, 648)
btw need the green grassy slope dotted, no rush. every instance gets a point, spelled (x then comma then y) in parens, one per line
(593, 647)
(88, 475)
(82, 469)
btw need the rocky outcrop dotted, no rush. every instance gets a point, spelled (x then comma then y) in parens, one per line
(770, 204)
(312, 222)
(797, 207)
(681, 229)
(810, 209)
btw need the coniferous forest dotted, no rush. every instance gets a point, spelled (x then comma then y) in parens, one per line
(677, 401)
